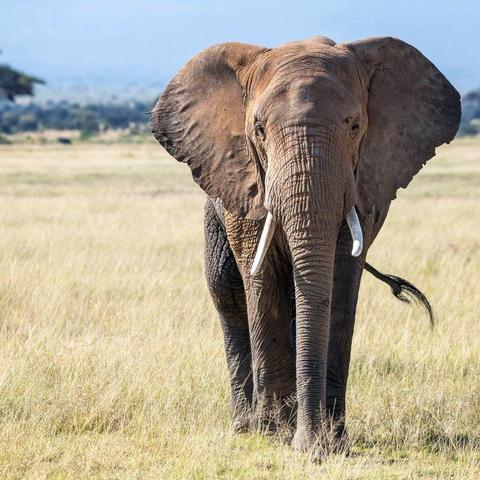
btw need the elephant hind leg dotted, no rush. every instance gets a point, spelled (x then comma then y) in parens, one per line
(227, 291)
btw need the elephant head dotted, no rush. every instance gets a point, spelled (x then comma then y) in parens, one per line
(305, 134)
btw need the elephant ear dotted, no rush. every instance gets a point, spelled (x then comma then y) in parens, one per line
(200, 120)
(412, 109)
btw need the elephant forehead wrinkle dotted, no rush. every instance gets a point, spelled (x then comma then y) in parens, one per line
(326, 60)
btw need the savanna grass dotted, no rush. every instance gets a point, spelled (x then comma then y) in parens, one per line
(111, 356)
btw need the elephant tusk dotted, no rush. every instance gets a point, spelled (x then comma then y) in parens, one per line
(265, 239)
(356, 231)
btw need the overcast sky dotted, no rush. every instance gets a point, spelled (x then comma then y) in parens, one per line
(122, 41)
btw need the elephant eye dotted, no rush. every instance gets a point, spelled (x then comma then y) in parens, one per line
(354, 129)
(259, 131)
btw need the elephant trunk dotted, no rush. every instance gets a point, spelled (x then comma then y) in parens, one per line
(313, 259)
(309, 197)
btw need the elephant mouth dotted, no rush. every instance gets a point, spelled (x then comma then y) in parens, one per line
(269, 229)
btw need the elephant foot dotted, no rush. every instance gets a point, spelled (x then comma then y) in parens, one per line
(242, 418)
(318, 446)
(251, 423)
(308, 442)
(265, 423)
(276, 417)
(241, 424)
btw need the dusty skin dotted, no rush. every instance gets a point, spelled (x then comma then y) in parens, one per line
(112, 360)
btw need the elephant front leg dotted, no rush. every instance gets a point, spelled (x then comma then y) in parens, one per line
(269, 300)
(347, 275)
(269, 303)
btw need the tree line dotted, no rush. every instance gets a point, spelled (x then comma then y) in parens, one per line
(89, 119)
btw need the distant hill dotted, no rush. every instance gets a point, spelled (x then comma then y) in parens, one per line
(470, 124)
(83, 91)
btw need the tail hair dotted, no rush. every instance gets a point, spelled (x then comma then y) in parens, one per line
(404, 291)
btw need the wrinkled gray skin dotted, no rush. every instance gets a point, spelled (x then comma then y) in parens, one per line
(305, 131)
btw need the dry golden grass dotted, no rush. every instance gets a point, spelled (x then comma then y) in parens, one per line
(111, 356)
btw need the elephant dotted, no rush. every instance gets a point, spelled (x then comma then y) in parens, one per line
(300, 150)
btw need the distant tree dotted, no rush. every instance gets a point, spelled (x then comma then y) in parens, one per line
(14, 83)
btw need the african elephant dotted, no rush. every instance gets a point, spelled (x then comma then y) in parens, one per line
(300, 150)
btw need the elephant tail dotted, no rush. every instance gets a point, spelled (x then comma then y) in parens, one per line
(404, 290)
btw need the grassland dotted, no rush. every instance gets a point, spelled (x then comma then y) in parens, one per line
(111, 356)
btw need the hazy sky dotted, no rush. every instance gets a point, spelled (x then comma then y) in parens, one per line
(121, 41)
